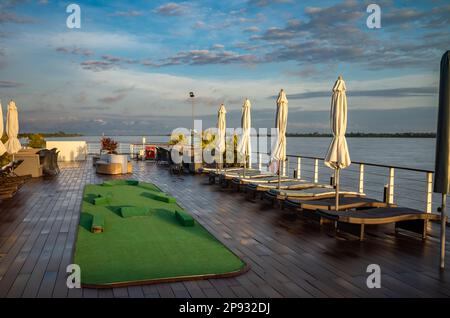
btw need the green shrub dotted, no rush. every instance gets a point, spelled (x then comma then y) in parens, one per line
(36, 141)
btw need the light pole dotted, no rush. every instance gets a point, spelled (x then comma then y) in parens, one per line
(192, 96)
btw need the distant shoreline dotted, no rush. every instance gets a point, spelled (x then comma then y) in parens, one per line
(370, 135)
(307, 135)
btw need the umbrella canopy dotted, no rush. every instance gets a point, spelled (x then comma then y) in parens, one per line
(338, 156)
(221, 127)
(2, 146)
(12, 129)
(279, 152)
(442, 165)
(244, 147)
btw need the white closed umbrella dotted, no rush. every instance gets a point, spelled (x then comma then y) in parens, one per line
(279, 152)
(244, 147)
(2, 146)
(221, 127)
(12, 129)
(338, 156)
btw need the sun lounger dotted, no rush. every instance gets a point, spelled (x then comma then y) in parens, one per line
(354, 221)
(214, 174)
(345, 203)
(255, 186)
(321, 191)
(225, 178)
(213, 169)
(237, 182)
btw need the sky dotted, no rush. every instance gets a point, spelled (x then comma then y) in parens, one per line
(130, 67)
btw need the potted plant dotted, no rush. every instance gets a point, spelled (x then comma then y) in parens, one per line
(109, 145)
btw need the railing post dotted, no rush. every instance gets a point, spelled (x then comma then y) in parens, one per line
(260, 161)
(299, 168)
(391, 186)
(316, 170)
(429, 192)
(361, 178)
(285, 164)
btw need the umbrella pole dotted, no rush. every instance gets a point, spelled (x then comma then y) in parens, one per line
(279, 174)
(245, 157)
(443, 225)
(336, 181)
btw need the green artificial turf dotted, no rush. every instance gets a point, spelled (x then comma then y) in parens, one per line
(144, 248)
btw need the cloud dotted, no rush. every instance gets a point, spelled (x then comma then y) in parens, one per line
(199, 25)
(113, 99)
(393, 92)
(74, 51)
(434, 18)
(10, 17)
(202, 57)
(337, 34)
(128, 14)
(252, 29)
(111, 58)
(265, 3)
(96, 65)
(172, 9)
(9, 84)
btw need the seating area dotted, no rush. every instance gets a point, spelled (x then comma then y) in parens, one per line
(112, 164)
(10, 182)
(315, 201)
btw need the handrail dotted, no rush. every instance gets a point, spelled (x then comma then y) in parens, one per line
(368, 164)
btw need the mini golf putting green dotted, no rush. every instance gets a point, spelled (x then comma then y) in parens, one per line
(150, 247)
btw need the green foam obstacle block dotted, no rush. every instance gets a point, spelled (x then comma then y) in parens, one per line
(98, 224)
(184, 218)
(100, 200)
(149, 186)
(111, 183)
(160, 196)
(131, 211)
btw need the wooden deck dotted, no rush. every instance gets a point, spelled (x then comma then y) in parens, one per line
(288, 256)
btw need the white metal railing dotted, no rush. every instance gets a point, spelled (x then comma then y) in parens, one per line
(394, 184)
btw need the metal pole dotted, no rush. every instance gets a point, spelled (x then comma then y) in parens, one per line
(193, 122)
(336, 181)
(361, 178)
(443, 208)
(279, 174)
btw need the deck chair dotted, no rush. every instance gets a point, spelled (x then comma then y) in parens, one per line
(237, 182)
(213, 173)
(354, 221)
(321, 191)
(214, 169)
(345, 203)
(226, 177)
(255, 186)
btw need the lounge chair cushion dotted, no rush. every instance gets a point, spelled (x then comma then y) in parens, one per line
(378, 215)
